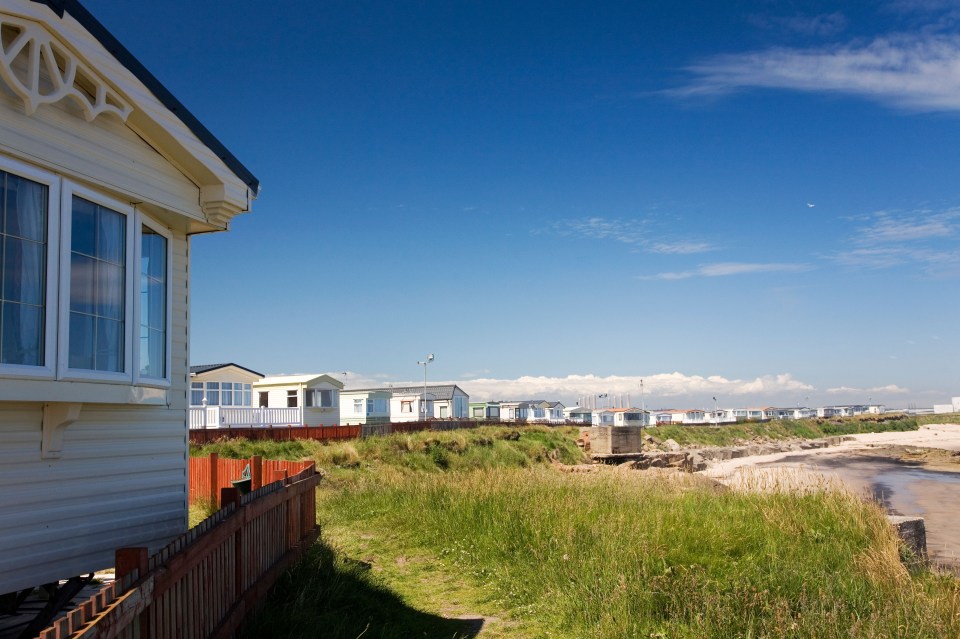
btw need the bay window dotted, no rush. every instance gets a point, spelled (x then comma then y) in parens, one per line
(71, 264)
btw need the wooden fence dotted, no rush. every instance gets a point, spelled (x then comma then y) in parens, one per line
(321, 433)
(208, 475)
(334, 433)
(204, 583)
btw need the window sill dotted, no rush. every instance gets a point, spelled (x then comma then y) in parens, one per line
(33, 390)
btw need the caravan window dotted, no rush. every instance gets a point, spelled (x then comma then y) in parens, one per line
(68, 278)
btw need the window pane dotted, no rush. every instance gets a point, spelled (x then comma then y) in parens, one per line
(109, 346)
(97, 287)
(23, 269)
(111, 232)
(26, 208)
(196, 398)
(109, 291)
(23, 255)
(83, 227)
(153, 302)
(22, 339)
(81, 341)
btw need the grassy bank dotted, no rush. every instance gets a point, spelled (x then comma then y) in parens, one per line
(615, 555)
(486, 447)
(421, 529)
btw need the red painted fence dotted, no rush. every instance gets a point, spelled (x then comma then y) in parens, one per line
(208, 475)
(320, 433)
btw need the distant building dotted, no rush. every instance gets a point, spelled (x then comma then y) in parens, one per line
(952, 407)
(404, 404)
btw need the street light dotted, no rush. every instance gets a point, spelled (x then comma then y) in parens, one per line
(716, 413)
(423, 402)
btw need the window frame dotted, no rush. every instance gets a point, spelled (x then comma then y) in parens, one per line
(65, 372)
(55, 365)
(159, 229)
(47, 370)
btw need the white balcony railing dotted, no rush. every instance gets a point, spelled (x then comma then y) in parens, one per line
(243, 416)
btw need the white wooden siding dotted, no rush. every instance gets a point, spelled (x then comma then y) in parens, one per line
(102, 152)
(121, 481)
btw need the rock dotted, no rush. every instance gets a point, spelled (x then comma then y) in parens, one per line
(671, 445)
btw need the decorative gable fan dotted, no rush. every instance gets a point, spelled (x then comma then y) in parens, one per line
(42, 71)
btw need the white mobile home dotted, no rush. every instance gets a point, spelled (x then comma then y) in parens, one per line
(365, 406)
(305, 400)
(443, 401)
(105, 177)
(218, 392)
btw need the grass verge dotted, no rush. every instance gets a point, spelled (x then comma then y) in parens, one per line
(473, 534)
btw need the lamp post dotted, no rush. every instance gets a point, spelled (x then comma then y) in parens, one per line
(423, 402)
(716, 412)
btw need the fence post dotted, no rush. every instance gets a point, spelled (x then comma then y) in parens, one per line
(126, 561)
(232, 496)
(214, 477)
(256, 472)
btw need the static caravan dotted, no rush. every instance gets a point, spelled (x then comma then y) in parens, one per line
(220, 393)
(578, 415)
(443, 401)
(485, 411)
(308, 400)
(105, 177)
(365, 406)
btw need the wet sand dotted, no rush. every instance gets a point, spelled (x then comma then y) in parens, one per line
(912, 473)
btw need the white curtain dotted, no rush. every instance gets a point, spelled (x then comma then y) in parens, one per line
(25, 247)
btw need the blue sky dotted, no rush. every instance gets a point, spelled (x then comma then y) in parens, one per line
(756, 201)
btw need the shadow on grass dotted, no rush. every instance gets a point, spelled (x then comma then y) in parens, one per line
(335, 598)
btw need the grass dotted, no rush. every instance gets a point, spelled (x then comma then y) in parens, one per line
(419, 529)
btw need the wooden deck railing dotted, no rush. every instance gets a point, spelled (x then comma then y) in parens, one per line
(204, 583)
(246, 416)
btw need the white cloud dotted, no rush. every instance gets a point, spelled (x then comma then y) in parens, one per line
(723, 269)
(918, 72)
(660, 390)
(681, 248)
(919, 238)
(599, 228)
(635, 232)
(891, 389)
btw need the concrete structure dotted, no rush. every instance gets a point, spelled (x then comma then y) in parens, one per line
(105, 178)
(614, 440)
(952, 407)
